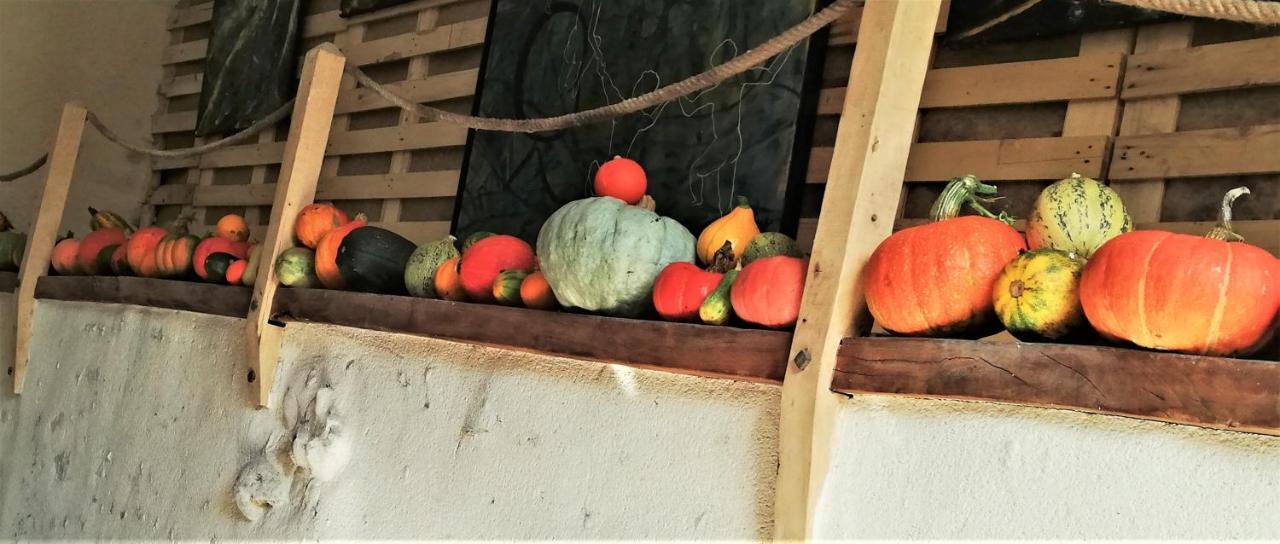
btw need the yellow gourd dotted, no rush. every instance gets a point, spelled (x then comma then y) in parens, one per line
(737, 227)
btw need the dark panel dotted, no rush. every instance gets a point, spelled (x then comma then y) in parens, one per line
(971, 21)
(251, 61)
(699, 152)
(356, 7)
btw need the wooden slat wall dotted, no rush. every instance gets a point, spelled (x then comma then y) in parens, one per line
(400, 173)
(1172, 115)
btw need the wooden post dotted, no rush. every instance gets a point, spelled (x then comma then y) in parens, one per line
(44, 231)
(296, 188)
(863, 187)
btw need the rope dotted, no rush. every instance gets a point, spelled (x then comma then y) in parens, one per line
(1258, 12)
(269, 121)
(26, 169)
(712, 77)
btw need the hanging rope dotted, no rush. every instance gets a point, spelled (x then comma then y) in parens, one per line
(25, 169)
(1259, 12)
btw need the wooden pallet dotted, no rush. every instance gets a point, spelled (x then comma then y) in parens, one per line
(400, 173)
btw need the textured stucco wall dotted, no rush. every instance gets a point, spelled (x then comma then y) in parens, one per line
(105, 54)
(135, 424)
(931, 469)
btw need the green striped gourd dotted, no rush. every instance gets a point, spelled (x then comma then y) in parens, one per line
(1037, 296)
(602, 255)
(1077, 215)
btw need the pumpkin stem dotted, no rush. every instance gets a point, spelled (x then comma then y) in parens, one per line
(967, 189)
(1222, 231)
(742, 202)
(724, 260)
(179, 224)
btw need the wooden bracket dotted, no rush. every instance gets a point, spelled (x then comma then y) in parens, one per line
(299, 173)
(864, 185)
(44, 231)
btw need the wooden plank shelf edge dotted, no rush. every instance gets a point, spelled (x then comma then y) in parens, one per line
(190, 296)
(1214, 392)
(700, 350)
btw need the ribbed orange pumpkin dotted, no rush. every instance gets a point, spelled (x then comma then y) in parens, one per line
(315, 221)
(92, 246)
(173, 255)
(140, 250)
(680, 289)
(327, 253)
(215, 244)
(936, 279)
(768, 291)
(483, 261)
(1178, 292)
(65, 255)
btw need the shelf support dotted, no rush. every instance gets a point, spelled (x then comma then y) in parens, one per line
(296, 188)
(864, 185)
(44, 231)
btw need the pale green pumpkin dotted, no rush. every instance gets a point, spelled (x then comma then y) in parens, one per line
(602, 255)
(1077, 215)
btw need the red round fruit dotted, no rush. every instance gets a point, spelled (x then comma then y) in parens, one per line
(622, 179)
(680, 289)
(483, 261)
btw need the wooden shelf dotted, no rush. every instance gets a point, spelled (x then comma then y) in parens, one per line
(8, 282)
(723, 352)
(1215, 392)
(189, 296)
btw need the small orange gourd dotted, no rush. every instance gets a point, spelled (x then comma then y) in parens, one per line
(327, 253)
(232, 227)
(449, 280)
(536, 293)
(315, 221)
(737, 227)
(64, 257)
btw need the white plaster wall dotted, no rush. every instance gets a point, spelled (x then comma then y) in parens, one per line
(105, 54)
(930, 469)
(135, 424)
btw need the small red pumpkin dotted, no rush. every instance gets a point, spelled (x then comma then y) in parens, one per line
(1193, 294)
(483, 261)
(936, 279)
(680, 289)
(215, 244)
(768, 291)
(65, 257)
(235, 272)
(140, 250)
(327, 253)
(623, 179)
(316, 220)
(93, 244)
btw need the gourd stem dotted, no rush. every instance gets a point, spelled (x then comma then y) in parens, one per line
(966, 190)
(1222, 231)
(742, 202)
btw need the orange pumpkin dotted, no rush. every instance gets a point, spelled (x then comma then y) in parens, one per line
(140, 250)
(87, 256)
(327, 253)
(449, 280)
(736, 228)
(936, 279)
(483, 261)
(65, 255)
(214, 244)
(1203, 295)
(174, 255)
(768, 291)
(235, 272)
(316, 220)
(680, 289)
(536, 293)
(623, 179)
(232, 227)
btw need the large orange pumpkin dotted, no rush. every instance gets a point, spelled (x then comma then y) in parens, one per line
(936, 279)
(680, 289)
(483, 261)
(327, 253)
(65, 255)
(140, 250)
(87, 257)
(768, 291)
(1178, 292)
(316, 220)
(214, 244)
(173, 255)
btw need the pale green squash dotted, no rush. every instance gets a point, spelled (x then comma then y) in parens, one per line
(1076, 215)
(602, 255)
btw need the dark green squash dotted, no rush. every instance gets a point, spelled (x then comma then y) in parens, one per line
(373, 260)
(216, 265)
